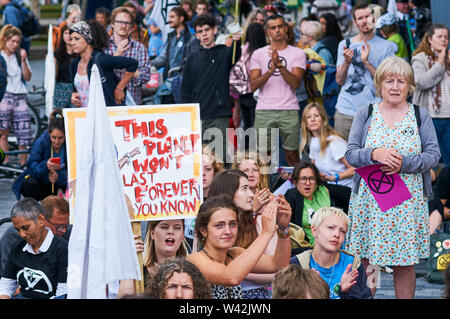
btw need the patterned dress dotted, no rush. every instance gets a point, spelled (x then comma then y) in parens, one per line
(399, 236)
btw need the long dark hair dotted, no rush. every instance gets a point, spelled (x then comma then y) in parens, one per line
(332, 26)
(56, 121)
(256, 37)
(226, 183)
(61, 52)
(99, 36)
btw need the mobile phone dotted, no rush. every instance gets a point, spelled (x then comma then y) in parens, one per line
(287, 169)
(56, 160)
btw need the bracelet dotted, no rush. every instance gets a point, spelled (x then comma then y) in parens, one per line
(336, 175)
(283, 231)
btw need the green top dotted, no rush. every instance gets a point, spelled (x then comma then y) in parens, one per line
(397, 39)
(320, 199)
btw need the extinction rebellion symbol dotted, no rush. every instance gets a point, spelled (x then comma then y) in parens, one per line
(380, 183)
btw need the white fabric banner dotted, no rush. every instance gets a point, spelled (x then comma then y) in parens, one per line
(160, 14)
(49, 76)
(101, 245)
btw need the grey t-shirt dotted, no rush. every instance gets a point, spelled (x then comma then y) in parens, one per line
(359, 89)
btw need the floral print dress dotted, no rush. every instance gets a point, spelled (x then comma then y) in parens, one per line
(400, 235)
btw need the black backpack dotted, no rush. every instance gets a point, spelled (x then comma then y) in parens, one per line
(416, 114)
(30, 25)
(3, 77)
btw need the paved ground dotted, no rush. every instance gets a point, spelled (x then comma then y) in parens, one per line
(424, 289)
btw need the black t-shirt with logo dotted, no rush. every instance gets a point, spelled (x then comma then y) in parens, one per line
(38, 275)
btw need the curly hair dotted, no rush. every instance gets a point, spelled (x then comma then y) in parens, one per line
(158, 284)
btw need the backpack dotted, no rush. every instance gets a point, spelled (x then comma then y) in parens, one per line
(328, 90)
(239, 79)
(416, 114)
(30, 23)
(439, 258)
(3, 77)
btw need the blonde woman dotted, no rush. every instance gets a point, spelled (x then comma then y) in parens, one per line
(402, 138)
(251, 164)
(13, 107)
(164, 241)
(326, 146)
(327, 151)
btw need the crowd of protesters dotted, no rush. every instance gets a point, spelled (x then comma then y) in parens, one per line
(323, 237)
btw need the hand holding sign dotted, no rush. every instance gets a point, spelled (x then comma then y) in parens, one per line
(390, 157)
(388, 190)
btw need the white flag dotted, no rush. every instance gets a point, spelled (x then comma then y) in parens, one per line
(49, 77)
(392, 8)
(160, 14)
(101, 245)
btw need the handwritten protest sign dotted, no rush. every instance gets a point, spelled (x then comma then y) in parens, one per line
(158, 151)
(388, 190)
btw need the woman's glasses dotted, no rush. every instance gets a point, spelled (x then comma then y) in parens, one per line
(304, 179)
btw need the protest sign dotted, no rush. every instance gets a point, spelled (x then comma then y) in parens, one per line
(388, 190)
(158, 151)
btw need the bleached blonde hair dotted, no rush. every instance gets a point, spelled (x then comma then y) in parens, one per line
(325, 212)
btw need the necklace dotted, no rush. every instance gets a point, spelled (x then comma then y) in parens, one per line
(208, 255)
(332, 270)
(212, 258)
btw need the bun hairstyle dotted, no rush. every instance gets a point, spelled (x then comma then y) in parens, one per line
(56, 121)
(7, 32)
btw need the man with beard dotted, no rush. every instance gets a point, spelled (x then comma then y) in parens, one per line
(179, 45)
(357, 61)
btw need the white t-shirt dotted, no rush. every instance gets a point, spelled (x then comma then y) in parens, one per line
(329, 163)
(14, 77)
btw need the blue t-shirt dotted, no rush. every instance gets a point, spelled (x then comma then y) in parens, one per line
(333, 275)
(359, 89)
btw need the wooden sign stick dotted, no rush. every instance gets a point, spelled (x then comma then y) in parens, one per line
(139, 284)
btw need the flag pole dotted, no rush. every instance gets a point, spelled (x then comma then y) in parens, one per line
(237, 21)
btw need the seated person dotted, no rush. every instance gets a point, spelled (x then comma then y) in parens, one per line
(46, 172)
(307, 197)
(179, 279)
(439, 205)
(293, 282)
(56, 218)
(40, 255)
(327, 151)
(343, 272)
